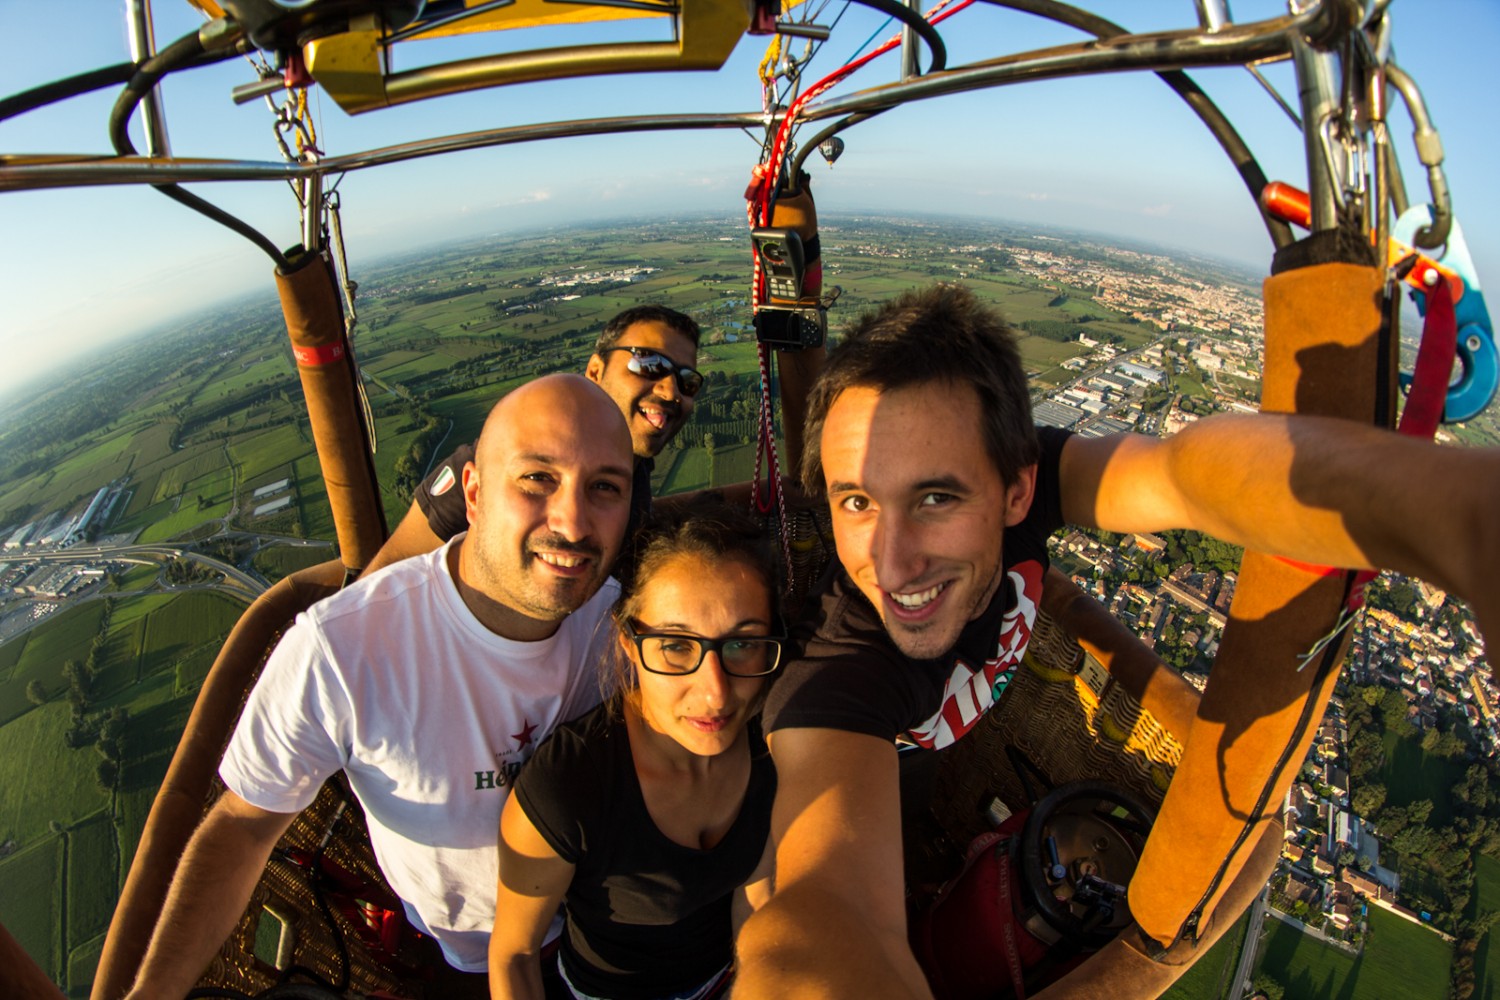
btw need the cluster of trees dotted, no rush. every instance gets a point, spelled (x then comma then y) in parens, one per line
(231, 551)
(110, 745)
(410, 467)
(1393, 594)
(1269, 985)
(1444, 852)
(1155, 398)
(1194, 405)
(186, 572)
(1052, 329)
(439, 294)
(1202, 551)
(1470, 933)
(106, 729)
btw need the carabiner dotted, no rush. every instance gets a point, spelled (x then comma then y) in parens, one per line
(1478, 355)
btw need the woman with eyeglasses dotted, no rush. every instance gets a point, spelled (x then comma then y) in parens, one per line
(649, 817)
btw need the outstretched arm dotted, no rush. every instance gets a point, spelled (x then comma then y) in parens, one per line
(757, 888)
(533, 880)
(836, 925)
(1320, 490)
(214, 879)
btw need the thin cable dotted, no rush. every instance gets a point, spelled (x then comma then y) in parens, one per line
(880, 30)
(187, 50)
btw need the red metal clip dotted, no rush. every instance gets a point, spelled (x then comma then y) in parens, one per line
(294, 74)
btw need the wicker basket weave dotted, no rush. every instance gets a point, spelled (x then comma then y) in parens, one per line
(1066, 716)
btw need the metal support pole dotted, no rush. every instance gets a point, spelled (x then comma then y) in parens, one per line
(312, 213)
(911, 47)
(1317, 88)
(1213, 14)
(143, 46)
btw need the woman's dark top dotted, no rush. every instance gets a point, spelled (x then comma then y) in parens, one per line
(646, 917)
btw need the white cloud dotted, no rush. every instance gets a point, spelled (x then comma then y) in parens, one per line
(1157, 210)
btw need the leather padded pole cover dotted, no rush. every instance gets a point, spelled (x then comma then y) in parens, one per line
(315, 323)
(1323, 334)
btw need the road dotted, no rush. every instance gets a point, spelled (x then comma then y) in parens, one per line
(245, 582)
(1241, 985)
(234, 577)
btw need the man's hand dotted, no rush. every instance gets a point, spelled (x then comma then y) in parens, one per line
(836, 925)
(214, 879)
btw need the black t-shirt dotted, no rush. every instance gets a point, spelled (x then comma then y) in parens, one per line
(850, 676)
(647, 917)
(441, 498)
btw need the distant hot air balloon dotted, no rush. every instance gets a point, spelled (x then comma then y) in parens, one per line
(831, 148)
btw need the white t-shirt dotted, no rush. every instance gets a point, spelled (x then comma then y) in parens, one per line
(431, 715)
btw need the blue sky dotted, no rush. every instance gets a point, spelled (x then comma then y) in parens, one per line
(1116, 154)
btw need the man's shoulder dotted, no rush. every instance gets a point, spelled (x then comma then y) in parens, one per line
(387, 591)
(846, 674)
(596, 609)
(841, 618)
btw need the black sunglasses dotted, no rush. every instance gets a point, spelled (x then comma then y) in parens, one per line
(676, 654)
(655, 365)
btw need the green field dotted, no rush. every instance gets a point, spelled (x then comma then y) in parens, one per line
(1211, 975)
(40, 656)
(278, 561)
(1486, 898)
(189, 621)
(10, 654)
(42, 778)
(689, 471)
(31, 900)
(92, 864)
(139, 577)
(1401, 961)
(118, 664)
(58, 892)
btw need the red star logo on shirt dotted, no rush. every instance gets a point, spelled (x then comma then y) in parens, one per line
(523, 738)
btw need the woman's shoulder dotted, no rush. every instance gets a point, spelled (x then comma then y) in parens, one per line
(593, 736)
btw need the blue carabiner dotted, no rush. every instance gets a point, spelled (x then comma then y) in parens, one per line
(1476, 385)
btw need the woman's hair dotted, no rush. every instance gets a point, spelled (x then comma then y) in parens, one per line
(710, 530)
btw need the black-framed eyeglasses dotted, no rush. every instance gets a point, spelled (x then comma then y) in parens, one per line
(676, 654)
(655, 365)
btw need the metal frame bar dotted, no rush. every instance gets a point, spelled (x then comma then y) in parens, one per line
(1232, 45)
(50, 172)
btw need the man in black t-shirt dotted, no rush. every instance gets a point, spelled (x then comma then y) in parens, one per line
(644, 359)
(942, 494)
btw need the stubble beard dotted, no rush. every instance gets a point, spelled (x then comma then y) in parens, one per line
(528, 595)
(923, 641)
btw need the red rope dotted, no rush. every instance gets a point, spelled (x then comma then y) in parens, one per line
(758, 206)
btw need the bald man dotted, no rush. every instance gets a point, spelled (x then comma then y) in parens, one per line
(429, 684)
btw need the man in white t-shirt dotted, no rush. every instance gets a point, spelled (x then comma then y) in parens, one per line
(429, 684)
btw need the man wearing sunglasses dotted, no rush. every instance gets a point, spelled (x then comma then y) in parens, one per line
(644, 359)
